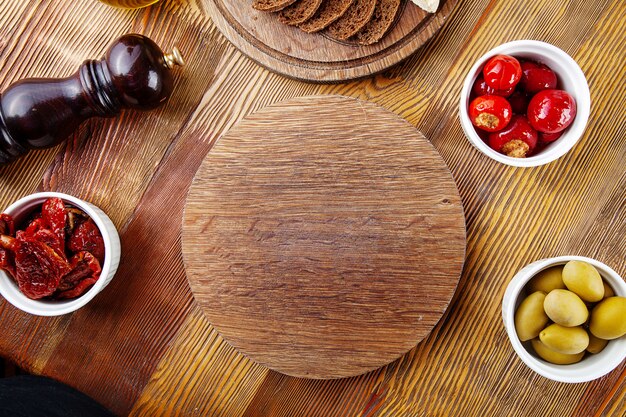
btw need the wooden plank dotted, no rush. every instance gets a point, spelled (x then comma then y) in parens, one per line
(615, 403)
(210, 376)
(466, 366)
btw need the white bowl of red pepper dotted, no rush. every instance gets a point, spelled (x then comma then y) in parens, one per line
(525, 103)
(57, 252)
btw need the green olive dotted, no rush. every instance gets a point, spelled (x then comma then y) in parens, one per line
(608, 291)
(547, 280)
(583, 279)
(565, 308)
(570, 340)
(530, 318)
(555, 357)
(608, 318)
(596, 344)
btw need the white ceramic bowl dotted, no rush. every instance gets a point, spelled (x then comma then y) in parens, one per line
(112, 248)
(592, 366)
(571, 79)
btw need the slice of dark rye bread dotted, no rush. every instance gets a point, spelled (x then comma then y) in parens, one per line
(329, 11)
(384, 16)
(353, 20)
(271, 5)
(299, 12)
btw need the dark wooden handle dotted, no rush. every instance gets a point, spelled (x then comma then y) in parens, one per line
(38, 113)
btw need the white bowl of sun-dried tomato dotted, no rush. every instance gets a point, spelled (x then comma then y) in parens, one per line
(57, 252)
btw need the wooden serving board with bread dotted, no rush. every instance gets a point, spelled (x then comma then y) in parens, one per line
(323, 250)
(328, 40)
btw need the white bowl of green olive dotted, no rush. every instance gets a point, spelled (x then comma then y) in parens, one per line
(566, 318)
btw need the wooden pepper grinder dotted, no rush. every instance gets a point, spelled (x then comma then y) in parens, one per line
(39, 113)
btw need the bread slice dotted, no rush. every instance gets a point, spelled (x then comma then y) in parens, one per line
(353, 20)
(271, 5)
(430, 6)
(299, 12)
(384, 16)
(329, 11)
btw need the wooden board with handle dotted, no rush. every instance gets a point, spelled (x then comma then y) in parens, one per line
(323, 236)
(315, 56)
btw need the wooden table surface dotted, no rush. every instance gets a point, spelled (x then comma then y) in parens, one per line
(143, 347)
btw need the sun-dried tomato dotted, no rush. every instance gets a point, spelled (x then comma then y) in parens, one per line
(8, 242)
(46, 236)
(35, 226)
(54, 214)
(7, 225)
(7, 257)
(78, 290)
(74, 216)
(86, 237)
(84, 266)
(38, 267)
(37, 256)
(7, 263)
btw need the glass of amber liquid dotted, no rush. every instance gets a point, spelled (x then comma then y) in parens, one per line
(129, 4)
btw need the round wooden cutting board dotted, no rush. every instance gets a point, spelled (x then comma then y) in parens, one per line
(323, 236)
(315, 56)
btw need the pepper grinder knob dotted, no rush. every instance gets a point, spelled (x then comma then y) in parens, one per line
(39, 113)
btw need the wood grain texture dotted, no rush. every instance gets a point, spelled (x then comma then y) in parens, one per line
(139, 168)
(323, 249)
(318, 57)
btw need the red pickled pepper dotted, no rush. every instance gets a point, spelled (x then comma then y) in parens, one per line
(481, 88)
(551, 111)
(502, 72)
(537, 77)
(549, 137)
(490, 113)
(517, 140)
(519, 102)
